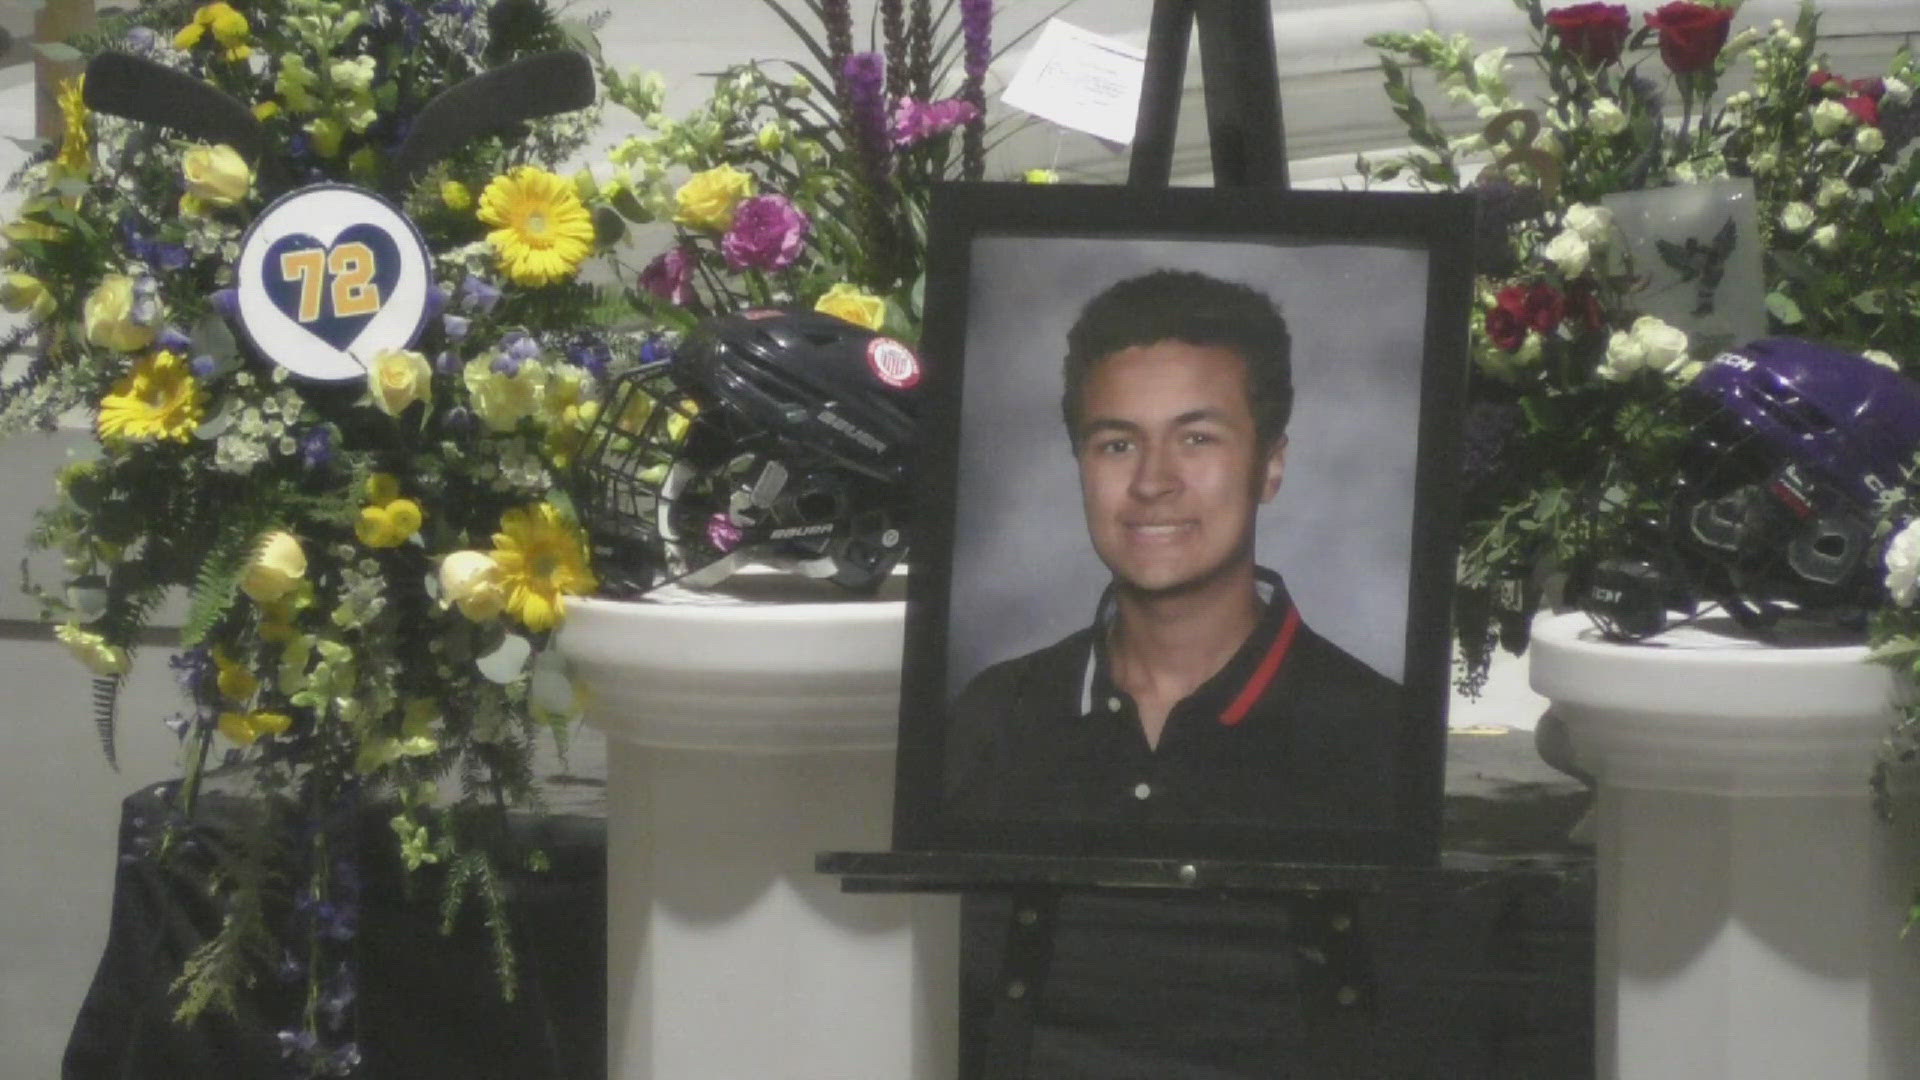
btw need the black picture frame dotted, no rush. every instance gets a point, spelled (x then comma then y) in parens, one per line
(1376, 288)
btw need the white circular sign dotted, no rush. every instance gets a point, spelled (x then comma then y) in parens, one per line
(328, 277)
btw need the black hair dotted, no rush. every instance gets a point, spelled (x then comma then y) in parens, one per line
(1183, 305)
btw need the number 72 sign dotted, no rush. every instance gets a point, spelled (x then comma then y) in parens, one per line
(328, 277)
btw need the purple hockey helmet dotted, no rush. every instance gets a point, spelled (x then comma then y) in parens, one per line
(1792, 445)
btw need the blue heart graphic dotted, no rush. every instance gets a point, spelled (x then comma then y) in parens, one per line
(328, 325)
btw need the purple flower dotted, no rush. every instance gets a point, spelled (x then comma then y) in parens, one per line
(447, 363)
(226, 302)
(506, 364)
(976, 30)
(592, 354)
(142, 38)
(203, 366)
(436, 300)
(768, 233)
(916, 121)
(866, 86)
(670, 275)
(520, 345)
(479, 295)
(316, 447)
(455, 325)
(194, 671)
(722, 533)
(655, 349)
(171, 339)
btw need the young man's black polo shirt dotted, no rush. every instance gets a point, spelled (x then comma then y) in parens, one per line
(1292, 731)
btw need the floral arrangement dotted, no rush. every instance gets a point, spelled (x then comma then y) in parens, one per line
(757, 220)
(375, 568)
(1571, 377)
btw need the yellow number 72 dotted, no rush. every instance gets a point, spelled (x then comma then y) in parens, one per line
(351, 267)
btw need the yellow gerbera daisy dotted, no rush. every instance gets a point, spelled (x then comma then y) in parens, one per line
(76, 145)
(541, 556)
(541, 231)
(158, 399)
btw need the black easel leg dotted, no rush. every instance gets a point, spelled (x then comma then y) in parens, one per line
(1023, 972)
(1337, 986)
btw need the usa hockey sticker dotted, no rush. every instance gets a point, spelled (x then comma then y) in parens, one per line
(893, 363)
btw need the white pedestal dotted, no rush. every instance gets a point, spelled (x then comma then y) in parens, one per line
(1750, 903)
(744, 738)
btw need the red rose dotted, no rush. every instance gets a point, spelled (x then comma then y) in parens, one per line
(1544, 308)
(1863, 108)
(1691, 35)
(1507, 318)
(1593, 33)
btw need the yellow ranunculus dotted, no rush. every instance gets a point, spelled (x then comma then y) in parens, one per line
(399, 378)
(455, 196)
(388, 525)
(471, 580)
(853, 304)
(109, 319)
(276, 569)
(707, 199)
(216, 175)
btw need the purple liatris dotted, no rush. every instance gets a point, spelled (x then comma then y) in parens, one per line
(670, 276)
(916, 121)
(976, 30)
(768, 233)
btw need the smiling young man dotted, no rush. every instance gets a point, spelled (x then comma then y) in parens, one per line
(1196, 694)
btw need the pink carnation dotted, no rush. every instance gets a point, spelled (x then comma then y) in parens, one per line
(916, 121)
(670, 275)
(768, 233)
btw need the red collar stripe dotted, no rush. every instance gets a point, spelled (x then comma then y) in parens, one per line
(1263, 675)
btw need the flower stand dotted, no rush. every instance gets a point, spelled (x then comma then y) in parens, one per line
(746, 734)
(1750, 902)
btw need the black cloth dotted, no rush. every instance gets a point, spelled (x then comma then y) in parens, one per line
(429, 1005)
(1292, 731)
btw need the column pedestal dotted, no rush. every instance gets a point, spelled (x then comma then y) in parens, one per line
(744, 737)
(1750, 902)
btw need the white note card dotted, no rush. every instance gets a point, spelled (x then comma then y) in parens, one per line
(1082, 81)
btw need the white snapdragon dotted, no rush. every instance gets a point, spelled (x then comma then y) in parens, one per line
(1606, 117)
(1903, 564)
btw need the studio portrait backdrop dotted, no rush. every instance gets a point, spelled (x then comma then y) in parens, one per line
(1340, 757)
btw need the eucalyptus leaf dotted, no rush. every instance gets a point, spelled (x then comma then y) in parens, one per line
(1782, 307)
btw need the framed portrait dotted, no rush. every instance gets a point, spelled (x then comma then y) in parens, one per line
(1196, 605)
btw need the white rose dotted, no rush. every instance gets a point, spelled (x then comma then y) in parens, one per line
(1625, 355)
(1868, 140)
(399, 378)
(1826, 237)
(1897, 92)
(1903, 564)
(1884, 359)
(1829, 117)
(471, 580)
(1591, 222)
(1665, 346)
(1606, 118)
(1796, 217)
(1833, 190)
(1569, 252)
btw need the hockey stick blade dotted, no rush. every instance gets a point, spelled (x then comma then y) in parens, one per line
(139, 89)
(527, 89)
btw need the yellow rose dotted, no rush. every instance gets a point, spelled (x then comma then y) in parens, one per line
(108, 316)
(216, 175)
(399, 378)
(277, 567)
(25, 293)
(851, 303)
(706, 201)
(471, 580)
